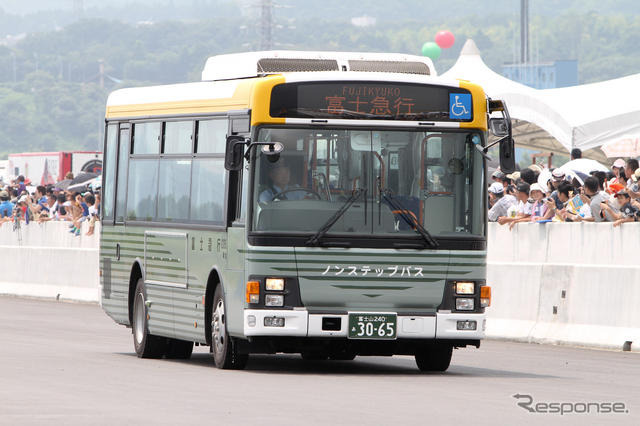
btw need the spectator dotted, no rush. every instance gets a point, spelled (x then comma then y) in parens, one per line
(627, 213)
(523, 208)
(634, 191)
(596, 198)
(514, 177)
(629, 170)
(41, 200)
(577, 208)
(601, 177)
(528, 176)
(557, 178)
(93, 212)
(539, 210)
(21, 185)
(563, 193)
(6, 207)
(500, 201)
(618, 172)
(576, 153)
(497, 176)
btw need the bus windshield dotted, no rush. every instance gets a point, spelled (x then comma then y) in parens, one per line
(360, 182)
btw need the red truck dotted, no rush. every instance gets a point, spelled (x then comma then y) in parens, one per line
(43, 168)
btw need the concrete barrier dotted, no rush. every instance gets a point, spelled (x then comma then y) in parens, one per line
(46, 260)
(570, 283)
(573, 283)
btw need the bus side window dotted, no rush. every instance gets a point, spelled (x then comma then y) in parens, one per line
(146, 138)
(212, 136)
(108, 189)
(123, 164)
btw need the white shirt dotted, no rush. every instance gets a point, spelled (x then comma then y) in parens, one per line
(524, 208)
(501, 207)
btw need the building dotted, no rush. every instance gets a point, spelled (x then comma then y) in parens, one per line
(548, 75)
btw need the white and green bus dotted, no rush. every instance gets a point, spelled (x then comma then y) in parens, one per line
(326, 204)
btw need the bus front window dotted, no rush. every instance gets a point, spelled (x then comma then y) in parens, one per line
(371, 180)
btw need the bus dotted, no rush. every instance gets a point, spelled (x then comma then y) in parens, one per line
(331, 205)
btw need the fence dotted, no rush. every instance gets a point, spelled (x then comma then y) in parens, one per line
(570, 283)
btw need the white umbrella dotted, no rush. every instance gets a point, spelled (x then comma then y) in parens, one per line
(625, 147)
(583, 165)
(544, 177)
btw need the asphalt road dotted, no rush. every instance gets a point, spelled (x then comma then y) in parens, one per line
(64, 363)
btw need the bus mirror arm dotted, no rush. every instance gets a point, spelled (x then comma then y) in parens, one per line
(239, 149)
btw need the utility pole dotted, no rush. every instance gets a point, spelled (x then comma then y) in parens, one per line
(101, 73)
(524, 31)
(266, 24)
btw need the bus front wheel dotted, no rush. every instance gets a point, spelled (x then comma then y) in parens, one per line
(145, 344)
(434, 358)
(225, 350)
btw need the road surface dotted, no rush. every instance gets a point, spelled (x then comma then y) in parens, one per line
(66, 363)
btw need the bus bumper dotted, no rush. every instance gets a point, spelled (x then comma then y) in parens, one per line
(299, 323)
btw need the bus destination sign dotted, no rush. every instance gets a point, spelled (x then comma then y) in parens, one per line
(371, 101)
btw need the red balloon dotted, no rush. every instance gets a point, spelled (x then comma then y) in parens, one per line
(445, 39)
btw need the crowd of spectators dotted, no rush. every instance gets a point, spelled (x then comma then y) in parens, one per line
(19, 205)
(524, 196)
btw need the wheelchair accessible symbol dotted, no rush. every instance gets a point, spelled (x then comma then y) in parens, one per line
(459, 106)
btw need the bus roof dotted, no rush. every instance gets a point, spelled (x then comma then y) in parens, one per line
(209, 97)
(258, 64)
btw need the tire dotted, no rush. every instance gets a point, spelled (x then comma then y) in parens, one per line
(145, 344)
(179, 349)
(224, 348)
(434, 358)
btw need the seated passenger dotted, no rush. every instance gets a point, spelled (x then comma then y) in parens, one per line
(280, 176)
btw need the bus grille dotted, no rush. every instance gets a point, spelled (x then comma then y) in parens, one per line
(277, 65)
(403, 67)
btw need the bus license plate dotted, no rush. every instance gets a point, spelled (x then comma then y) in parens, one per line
(372, 326)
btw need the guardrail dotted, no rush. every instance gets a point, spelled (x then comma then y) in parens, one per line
(565, 283)
(46, 260)
(572, 283)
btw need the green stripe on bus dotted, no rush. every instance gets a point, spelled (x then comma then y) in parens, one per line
(368, 287)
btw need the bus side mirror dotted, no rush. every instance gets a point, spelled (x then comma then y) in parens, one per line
(507, 155)
(501, 127)
(234, 156)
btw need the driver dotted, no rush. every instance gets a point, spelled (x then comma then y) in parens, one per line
(280, 176)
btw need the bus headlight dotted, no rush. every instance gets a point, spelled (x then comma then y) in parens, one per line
(465, 287)
(274, 300)
(274, 284)
(464, 304)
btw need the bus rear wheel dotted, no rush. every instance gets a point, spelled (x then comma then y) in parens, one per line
(145, 344)
(225, 350)
(434, 358)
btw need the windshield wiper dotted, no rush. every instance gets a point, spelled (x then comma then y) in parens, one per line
(413, 223)
(315, 239)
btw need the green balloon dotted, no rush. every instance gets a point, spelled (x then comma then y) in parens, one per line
(431, 50)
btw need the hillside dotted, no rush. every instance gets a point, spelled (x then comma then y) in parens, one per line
(50, 97)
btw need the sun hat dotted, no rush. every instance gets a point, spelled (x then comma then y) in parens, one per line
(536, 187)
(619, 163)
(496, 188)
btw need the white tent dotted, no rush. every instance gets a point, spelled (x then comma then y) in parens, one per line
(584, 117)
